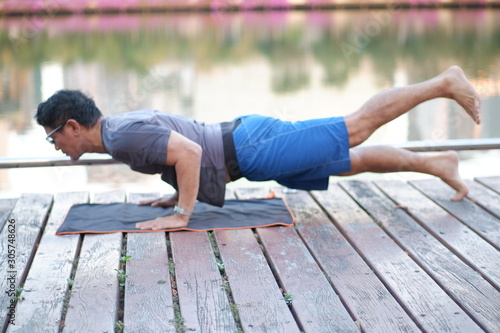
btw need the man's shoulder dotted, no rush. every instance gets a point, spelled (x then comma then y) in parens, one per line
(130, 117)
(125, 131)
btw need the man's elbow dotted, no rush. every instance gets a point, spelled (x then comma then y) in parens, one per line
(194, 152)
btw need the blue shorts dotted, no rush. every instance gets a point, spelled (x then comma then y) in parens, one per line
(300, 155)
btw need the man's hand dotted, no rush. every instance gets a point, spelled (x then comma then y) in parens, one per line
(162, 202)
(165, 222)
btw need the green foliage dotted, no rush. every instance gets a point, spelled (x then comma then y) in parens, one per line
(19, 296)
(124, 259)
(289, 48)
(119, 326)
(121, 276)
(288, 298)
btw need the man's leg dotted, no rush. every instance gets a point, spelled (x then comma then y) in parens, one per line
(394, 102)
(390, 159)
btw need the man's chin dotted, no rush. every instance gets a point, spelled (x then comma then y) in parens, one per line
(74, 158)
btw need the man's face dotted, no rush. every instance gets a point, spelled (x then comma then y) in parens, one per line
(67, 140)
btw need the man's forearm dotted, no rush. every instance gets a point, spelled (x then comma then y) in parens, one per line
(188, 178)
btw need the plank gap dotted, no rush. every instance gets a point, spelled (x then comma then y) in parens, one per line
(489, 183)
(22, 278)
(484, 197)
(29, 261)
(470, 228)
(178, 319)
(226, 286)
(486, 209)
(428, 270)
(6, 207)
(450, 247)
(325, 274)
(277, 278)
(121, 275)
(379, 276)
(71, 279)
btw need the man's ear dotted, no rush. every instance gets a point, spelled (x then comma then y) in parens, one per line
(74, 126)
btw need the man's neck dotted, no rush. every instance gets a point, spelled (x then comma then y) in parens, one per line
(94, 137)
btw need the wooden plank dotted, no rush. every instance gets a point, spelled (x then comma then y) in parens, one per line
(491, 182)
(315, 303)
(148, 304)
(367, 299)
(25, 222)
(203, 302)
(485, 197)
(6, 206)
(46, 284)
(94, 301)
(194, 269)
(255, 291)
(434, 310)
(466, 211)
(475, 295)
(480, 255)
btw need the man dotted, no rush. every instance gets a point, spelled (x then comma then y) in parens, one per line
(198, 159)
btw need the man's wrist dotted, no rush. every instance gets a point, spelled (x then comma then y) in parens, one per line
(182, 212)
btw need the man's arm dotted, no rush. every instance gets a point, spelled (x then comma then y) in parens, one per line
(185, 156)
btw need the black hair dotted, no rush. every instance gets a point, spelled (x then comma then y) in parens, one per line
(65, 105)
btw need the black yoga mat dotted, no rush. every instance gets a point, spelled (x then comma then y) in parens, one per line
(122, 217)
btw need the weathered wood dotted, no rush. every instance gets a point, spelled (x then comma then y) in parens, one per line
(484, 197)
(148, 304)
(480, 255)
(466, 211)
(431, 307)
(194, 311)
(94, 301)
(203, 302)
(255, 292)
(26, 222)
(6, 206)
(491, 182)
(316, 305)
(475, 295)
(46, 284)
(369, 301)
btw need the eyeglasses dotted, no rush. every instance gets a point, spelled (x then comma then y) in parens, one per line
(49, 136)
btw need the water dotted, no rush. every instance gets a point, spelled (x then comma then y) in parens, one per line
(215, 66)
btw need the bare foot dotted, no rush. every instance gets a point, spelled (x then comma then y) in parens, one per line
(445, 166)
(460, 89)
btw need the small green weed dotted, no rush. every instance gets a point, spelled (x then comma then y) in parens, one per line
(121, 276)
(288, 298)
(119, 326)
(124, 259)
(19, 291)
(171, 267)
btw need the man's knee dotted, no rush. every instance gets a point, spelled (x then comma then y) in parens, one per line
(356, 163)
(356, 130)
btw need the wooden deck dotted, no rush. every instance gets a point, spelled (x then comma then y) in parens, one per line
(365, 256)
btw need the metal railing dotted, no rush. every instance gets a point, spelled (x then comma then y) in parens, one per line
(97, 159)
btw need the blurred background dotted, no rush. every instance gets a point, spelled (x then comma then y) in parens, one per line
(214, 65)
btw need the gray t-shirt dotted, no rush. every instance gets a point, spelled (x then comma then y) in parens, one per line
(140, 140)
